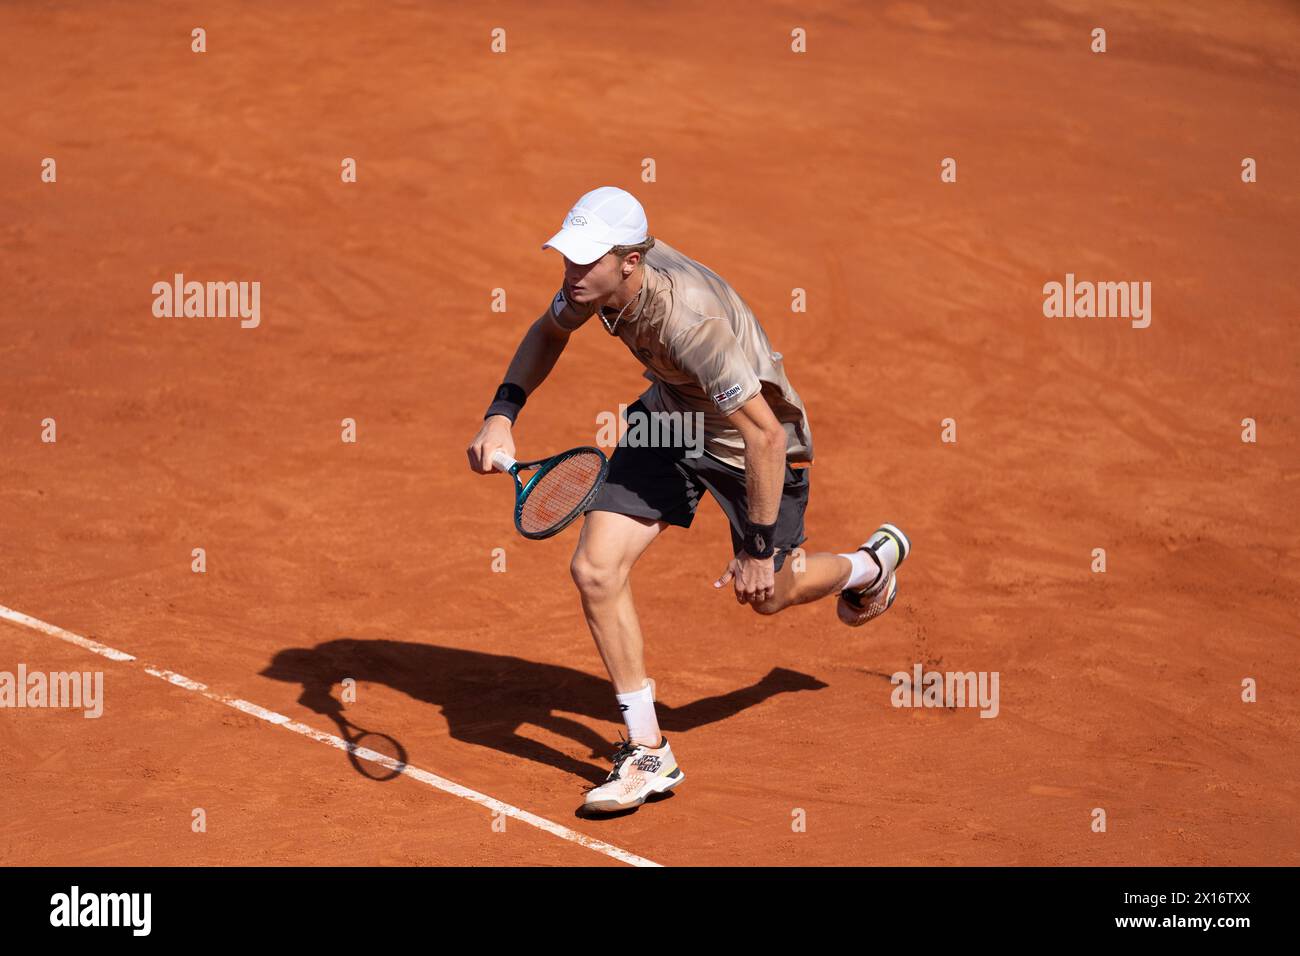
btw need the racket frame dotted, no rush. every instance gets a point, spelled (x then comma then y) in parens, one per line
(503, 462)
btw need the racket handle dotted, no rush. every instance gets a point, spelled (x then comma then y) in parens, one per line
(501, 461)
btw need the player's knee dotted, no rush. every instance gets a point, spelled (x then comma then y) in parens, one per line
(770, 606)
(595, 579)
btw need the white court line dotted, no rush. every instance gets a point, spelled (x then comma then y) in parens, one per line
(363, 753)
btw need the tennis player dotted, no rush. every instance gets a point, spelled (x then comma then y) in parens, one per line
(704, 352)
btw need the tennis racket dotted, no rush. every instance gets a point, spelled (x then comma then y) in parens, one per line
(560, 489)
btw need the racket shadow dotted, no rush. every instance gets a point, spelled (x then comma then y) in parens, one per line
(372, 754)
(493, 700)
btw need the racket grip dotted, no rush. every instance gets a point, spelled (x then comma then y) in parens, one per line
(501, 461)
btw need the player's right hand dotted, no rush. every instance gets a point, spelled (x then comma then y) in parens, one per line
(494, 434)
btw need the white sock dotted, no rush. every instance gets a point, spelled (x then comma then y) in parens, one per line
(638, 710)
(865, 569)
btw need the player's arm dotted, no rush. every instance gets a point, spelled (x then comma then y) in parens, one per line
(542, 345)
(753, 569)
(709, 352)
(534, 358)
(765, 443)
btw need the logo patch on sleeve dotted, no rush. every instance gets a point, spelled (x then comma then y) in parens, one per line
(558, 303)
(727, 395)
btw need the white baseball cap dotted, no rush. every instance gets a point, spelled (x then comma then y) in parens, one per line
(602, 219)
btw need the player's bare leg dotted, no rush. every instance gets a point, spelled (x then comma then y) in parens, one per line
(864, 579)
(602, 566)
(822, 574)
(644, 764)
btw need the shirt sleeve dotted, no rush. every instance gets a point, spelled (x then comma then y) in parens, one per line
(709, 352)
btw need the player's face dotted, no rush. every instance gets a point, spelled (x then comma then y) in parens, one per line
(594, 282)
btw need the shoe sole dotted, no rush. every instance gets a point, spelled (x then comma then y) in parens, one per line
(613, 806)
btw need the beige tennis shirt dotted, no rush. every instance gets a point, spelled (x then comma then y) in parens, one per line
(703, 351)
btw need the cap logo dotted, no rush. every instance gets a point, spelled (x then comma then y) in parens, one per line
(577, 220)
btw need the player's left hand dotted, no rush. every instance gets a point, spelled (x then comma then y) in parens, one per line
(755, 578)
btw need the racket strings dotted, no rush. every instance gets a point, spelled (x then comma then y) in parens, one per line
(559, 492)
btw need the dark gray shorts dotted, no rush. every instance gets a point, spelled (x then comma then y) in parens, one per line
(666, 485)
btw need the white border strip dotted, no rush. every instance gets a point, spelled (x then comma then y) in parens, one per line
(363, 753)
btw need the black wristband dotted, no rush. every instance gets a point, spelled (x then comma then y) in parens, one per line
(508, 401)
(758, 540)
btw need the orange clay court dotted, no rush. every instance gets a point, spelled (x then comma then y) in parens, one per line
(372, 560)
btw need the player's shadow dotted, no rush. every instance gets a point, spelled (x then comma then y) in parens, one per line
(487, 698)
